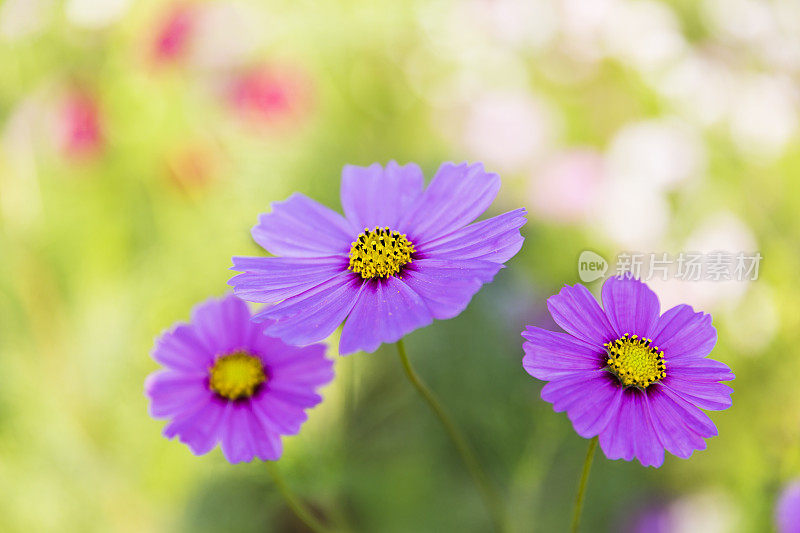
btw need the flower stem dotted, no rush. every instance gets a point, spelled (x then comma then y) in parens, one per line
(296, 505)
(490, 496)
(587, 466)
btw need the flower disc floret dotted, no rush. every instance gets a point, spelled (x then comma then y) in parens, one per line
(236, 376)
(635, 361)
(379, 253)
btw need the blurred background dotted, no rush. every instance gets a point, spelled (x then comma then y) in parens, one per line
(139, 140)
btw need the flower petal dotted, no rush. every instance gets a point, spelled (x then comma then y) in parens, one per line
(682, 333)
(301, 227)
(456, 196)
(374, 196)
(708, 395)
(496, 239)
(703, 369)
(181, 349)
(550, 355)
(590, 398)
(787, 511)
(692, 417)
(631, 306)
(617, 440)
(223, 325)
(266, 444)
(172, 393)
(578, 313)
(315, 314)
(272, 279)
(385, 311)
(677, 439)
(236, 441)
(646, 444)
(447, 286)
(198, 428)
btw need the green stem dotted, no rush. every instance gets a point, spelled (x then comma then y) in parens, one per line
(490, 497)
(299, 508)
(587, 466)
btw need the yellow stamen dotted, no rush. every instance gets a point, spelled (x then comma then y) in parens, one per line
(635, 361)
(379, 253)
(236, 376)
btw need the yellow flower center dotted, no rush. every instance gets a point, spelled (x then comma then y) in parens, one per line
(236, 376)
(379, 253)
(635, 361)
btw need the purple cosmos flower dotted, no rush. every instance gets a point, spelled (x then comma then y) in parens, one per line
(787, 512)
(402, 256)
(636, 379)
(227, 382)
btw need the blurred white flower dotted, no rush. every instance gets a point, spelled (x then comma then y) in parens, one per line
(644, 34)
(518, 24)
(711, 512)
(698, 86)
(754, 322)
(508, 130)
(782, 48)
(739, 20)
(660, 153)
(582, 26)
(567, 188)
(96, 13)
(224, 34)
(763, 115)
(632, 213)
(23, 18)
(722, 232)
(20, 203)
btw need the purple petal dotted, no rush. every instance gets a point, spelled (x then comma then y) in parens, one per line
(496, 239)
(447, 286)
(181, 349)
(236, 441)
(617, 439)
(456, 196)
(677, 439)
(708, 395)
(631, 306)
(198, 428)
(578, 313)
(699, 369)
(315, 314)
(266, 444)
(592, 413)
(550, 355)
(374, 196)
(277, 415)
(694, 419)
(172, 393)
(682, 333)
(222, 325)
(590, 398)
(647, 447)
(787, 512)
(385, 311)
(307, 372)
(272, 279)
(301, 227)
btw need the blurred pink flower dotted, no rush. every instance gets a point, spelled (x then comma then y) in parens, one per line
(270, 96)
(567, 188)
(79, 127)
(207, 36)
(508, 129)
(174, 33)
